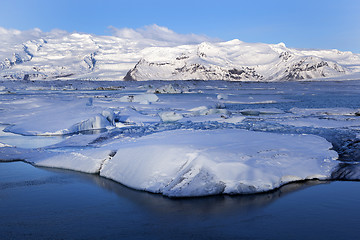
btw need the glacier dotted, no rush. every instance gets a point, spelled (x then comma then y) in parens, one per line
(59, 55)
(192, 138)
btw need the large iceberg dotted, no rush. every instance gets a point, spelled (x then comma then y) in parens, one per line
(184, 163)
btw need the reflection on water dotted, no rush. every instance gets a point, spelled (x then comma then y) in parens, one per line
(44, 203)
(154, 203)
(211, 205)
(29, 142)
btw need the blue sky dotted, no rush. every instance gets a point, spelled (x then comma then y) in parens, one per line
(301, 24)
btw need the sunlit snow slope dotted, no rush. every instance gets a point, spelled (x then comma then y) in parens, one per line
(35, 55)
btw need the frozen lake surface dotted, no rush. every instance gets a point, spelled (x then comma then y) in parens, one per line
(44, 203)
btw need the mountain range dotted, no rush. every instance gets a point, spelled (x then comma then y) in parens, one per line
(59, 55)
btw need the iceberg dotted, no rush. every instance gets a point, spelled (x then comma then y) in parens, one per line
(184, 163)
(189, 163)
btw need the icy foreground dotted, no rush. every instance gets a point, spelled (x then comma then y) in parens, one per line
(186, 139)
(198, 163)
(60, 55)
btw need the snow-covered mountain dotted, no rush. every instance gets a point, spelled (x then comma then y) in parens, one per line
(136, 56)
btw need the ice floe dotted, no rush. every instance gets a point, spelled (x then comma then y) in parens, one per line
(170, 116)
(197, 163)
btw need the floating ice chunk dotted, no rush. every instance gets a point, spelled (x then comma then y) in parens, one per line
(196, 163)
(52, 115)
(4, 145)
(34, 88)
(324, 111)
(140, 98)
(131, 115)
(232, 119)
(169, 89)
(258, 111)
(202, 110)
(93, 123)
(250, 112)
(109, 115)
(170, 116)
(198, 110)
(222, 112)
(319, 122)
(222, 96)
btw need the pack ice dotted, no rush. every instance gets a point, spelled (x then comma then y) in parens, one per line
(207, 139)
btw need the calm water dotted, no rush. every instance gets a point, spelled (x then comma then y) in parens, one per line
(42, 203)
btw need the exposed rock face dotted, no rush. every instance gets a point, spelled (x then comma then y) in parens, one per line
(145, 70)
(309, 68)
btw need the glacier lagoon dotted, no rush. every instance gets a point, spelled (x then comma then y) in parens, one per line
(91, 126)
(48, 203)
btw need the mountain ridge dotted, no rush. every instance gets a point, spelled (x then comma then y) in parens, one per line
(90, 57)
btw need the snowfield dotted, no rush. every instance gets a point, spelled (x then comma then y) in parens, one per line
(37, 55)
(186, 138)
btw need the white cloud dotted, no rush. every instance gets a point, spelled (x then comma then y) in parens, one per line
(152, 34)
(160, 34)
(12, 40)
(13, 36)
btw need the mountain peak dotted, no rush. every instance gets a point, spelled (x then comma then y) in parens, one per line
(158, 53)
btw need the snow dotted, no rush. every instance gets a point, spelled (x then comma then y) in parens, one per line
(322, 123)
(168, 89)
(257, 138)
(222, 96)
(203, 110)
(4, 145)
(197, 163)
(65, 116)
(89, 161)
(324, 111)
(170, 116)
(158, 53)
(321, 118)
(143, 98)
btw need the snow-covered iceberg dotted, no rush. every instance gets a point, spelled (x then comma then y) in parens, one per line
(184, 163)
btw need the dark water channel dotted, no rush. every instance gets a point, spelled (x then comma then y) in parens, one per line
(43, 203)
